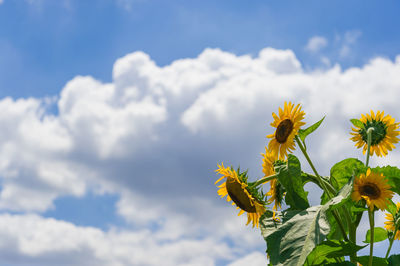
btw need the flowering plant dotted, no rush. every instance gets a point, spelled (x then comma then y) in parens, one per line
(324, 234)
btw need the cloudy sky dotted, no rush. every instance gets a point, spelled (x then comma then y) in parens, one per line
(115, 113)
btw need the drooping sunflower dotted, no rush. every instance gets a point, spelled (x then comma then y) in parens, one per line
(390, 223)
(373, 188)
(276, 191)
(237, 190)
(383, 136)
(287, 124)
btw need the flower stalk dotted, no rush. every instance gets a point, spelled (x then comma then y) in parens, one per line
(264, 180)
(371, 242)
(391, 243)
(323, 185)
(369, 138)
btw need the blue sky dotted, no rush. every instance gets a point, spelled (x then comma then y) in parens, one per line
(114, 114)
(50, 42)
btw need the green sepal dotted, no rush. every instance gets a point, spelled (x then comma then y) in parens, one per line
(289, 176)
(380, 234)
(357, 123)
(303, 133)
(376, 261)
(327, 251)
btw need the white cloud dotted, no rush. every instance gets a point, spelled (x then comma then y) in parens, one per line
(154, 135)
(1, 2)
(36, 240)
(348, 41)
(253, 259)
(316, 43)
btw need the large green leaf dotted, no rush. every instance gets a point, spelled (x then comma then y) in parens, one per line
(380, 234)
(394, 260)
(291, 239)
(303, 133)
(340, 174)
(328, 250)
(289, 175)
(344, 170)
(392, 174)
(376, 261)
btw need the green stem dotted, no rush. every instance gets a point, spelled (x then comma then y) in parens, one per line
(369, 137)
(371, 241)
(352, 235)
(264, 180)
(391, 243)
(303, 150)
(323, 185)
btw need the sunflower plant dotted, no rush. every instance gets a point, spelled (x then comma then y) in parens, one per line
(297, 233)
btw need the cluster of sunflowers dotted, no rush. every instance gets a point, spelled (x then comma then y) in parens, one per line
(325, 234)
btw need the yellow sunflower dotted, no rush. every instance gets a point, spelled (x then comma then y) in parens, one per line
(276, 192)
(373, 188)
(287, 124)
(235, 188)
(390, 225)
(383, 136)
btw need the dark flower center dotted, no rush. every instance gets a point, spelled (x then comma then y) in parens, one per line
(238, 195)
(378, 134)
(370, 190)
(283, 130)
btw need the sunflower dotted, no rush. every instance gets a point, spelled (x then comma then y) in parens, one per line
(383, 136)
(390, 223)
(276, 191)
(236, 189)
(373, 188)
(287, 125)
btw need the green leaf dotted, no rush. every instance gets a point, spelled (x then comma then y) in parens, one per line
(392, 208)
(291, 239)
(376, 261)
(357, 123)
(392, 174)
(344, 170)
(289, 175)
(344, 263)
(345, 166)
(303, 133)
(380, 234)
(394, 260)
(330, 249)
(358, 209)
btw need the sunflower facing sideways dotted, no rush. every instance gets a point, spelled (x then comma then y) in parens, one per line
(383, 136)
(276, 191)
(390, 223)
(287, 124)
(237, 189)
(373, 188)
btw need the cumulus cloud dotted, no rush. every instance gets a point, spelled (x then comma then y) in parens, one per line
(316, 43)
(153, 137)
(254, 259)
(30, 239)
